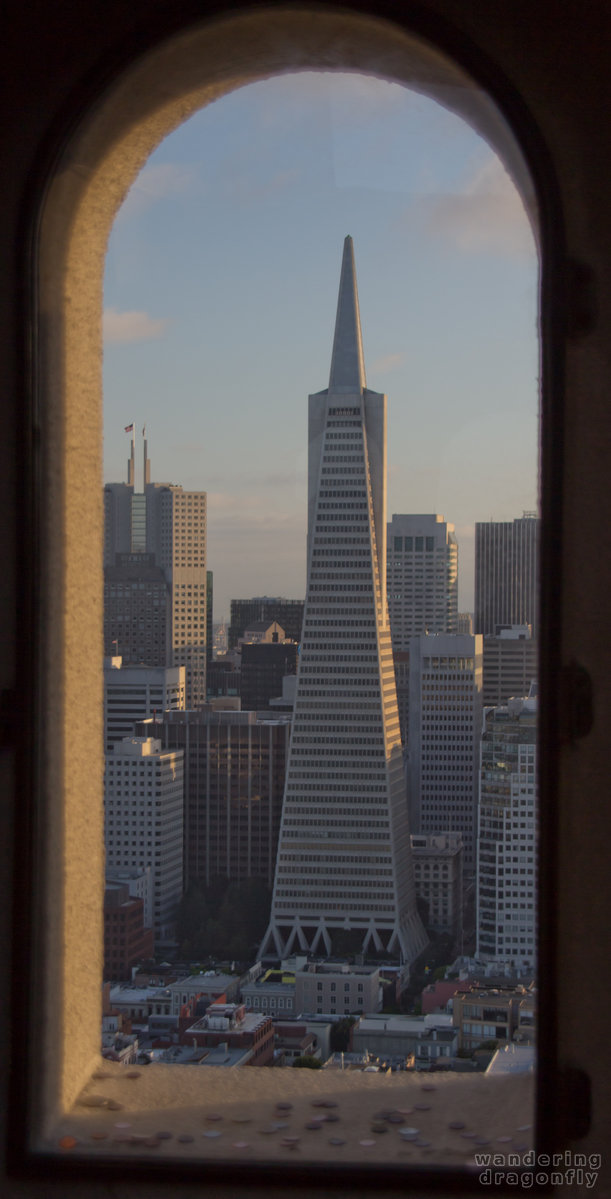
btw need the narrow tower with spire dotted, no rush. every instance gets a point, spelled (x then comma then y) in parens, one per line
(344, 860)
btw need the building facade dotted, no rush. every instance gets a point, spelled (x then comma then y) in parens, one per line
(336, 989)
(137, 610)
(445, 713)
(438, 872)
(262, 669)
(344, 859)
(132, 693)
(506, 573)
(507, 839)
(152, 537)
(422, 577)
(509, 665)
(246, 612)
(143, 821)
(127, 940)
(235, 765)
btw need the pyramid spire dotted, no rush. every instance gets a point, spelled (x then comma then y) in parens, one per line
(347, 362)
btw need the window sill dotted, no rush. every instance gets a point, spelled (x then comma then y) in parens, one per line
(230, 1115)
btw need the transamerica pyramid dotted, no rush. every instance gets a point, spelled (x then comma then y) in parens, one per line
(344, 859)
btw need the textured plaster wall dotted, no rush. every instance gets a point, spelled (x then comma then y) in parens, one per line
(52, 55)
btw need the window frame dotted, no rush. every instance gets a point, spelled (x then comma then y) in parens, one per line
(34, 826)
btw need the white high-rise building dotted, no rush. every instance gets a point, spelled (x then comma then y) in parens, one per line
(422, 577)
(445, 715)
(143, 821)
(507, 838)
(132, 693)
(344, 859)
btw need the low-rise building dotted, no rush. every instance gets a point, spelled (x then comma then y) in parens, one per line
(336, 988)
(492, 1014)
(273, 993)
(436, 997)
(230, 1025)
(395, 1039)
(294, 1040)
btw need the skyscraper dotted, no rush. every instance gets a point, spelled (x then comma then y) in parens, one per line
(507, 843)
(506, 573)
(143, 821)
(152, 536)
(344, 859)
(445, 712)
(422, 578)
(234, 769)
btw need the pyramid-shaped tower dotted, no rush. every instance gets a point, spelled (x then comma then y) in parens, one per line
(344, 859)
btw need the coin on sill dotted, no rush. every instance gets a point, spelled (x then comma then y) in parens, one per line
(93, 1101)
(113, 1106)
(212, 1132)
(378, 1126)
(284, 1107)
(367, 1143)
(241, 1119)
(67, 1142)
(314, 1125)
(331, 1118)
(151, 1142)
(213, 1116)
(395, 1118)
(457, 1125)
(428, 1086)
(99, 1136)
(422, 1107)
(164, 1136)
(240, 1144)
(100, 1074)
(336, 1141)
(504, 1140)
(132, 1074)
(185, 1138)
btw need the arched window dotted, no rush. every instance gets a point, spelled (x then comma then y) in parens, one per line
(107, 146)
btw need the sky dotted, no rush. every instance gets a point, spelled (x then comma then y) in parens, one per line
(219, 308)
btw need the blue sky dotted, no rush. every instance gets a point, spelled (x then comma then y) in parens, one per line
(220, 296)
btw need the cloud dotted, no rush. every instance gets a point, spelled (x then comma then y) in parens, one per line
(132, 326)
(487, 216)
(388, 362)
(155, 182)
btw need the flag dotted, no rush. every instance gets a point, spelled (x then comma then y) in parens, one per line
(129, 428)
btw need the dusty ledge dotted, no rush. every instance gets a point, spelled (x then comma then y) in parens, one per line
(213, 1114)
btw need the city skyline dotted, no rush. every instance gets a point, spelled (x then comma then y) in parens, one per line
(212, 342)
